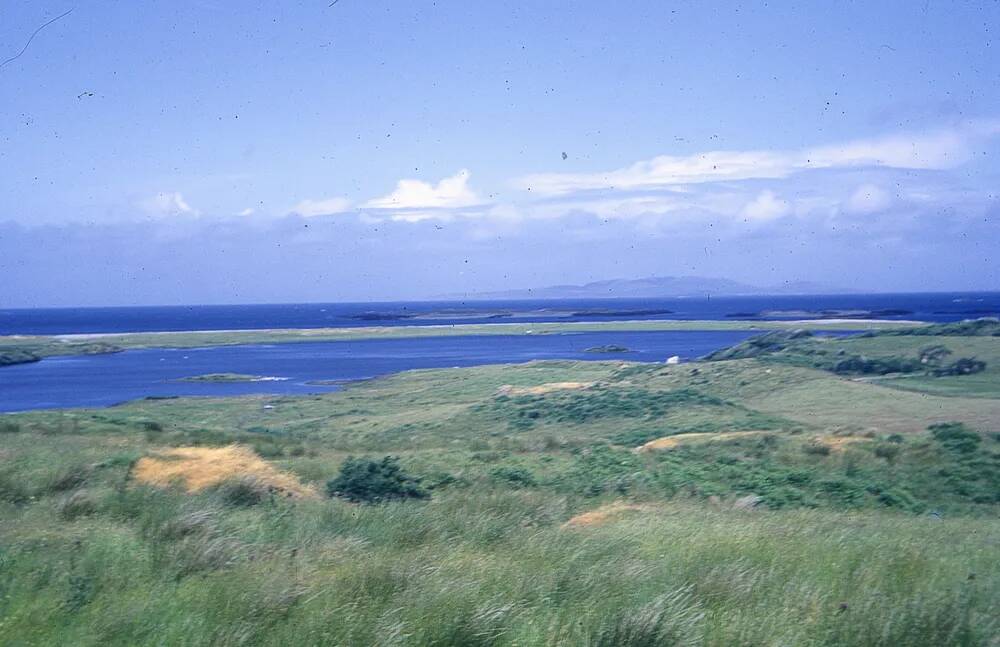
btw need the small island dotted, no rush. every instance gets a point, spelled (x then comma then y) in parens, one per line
(608, 348)
(230, 377)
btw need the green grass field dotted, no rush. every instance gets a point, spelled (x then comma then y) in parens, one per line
(810, 509)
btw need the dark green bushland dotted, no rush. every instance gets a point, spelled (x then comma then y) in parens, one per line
(365, 480)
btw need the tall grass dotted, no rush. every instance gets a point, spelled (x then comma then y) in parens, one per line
(488, 568)
(889, 539)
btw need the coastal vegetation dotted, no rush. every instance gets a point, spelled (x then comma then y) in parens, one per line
(11, 356)
(754, 500)
(960, 350)
(18, 349)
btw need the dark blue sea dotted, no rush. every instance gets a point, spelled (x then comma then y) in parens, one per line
(104, 380)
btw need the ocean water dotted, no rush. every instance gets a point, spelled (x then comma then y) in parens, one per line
(924, 307)
(103, 380)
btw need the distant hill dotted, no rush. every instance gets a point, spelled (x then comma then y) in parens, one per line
(652, 287)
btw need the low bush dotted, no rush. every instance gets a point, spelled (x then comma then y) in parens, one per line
(961, 366)
(524, 412)
(816, 448)
(955, 437)
(9, 427)
(888, 451)
(516, 476)
(243, 492)
(364, 480)
(76, 504)
(861, 365)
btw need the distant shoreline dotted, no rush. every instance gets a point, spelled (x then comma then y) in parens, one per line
(368, 332)
(20, 349)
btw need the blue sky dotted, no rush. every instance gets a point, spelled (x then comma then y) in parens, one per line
(219, 152)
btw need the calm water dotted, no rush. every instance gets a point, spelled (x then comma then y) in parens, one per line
(925, 307)
(102, 380)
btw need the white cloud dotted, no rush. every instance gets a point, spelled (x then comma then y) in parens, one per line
(249, 211)
(451, 192)
(868, 198)
(169, 203)
(324, 207)
(766, 206)
(940, 149)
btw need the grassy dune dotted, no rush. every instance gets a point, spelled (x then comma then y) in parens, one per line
(825, 510)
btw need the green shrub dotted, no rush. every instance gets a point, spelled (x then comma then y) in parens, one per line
(76, 504)
(516, 476)
(955, 437)
(861, 365)
(364, 480)
(525, 411)
(816, 448)
(933, 355)
(961, 366)
(888, 451)
(9, 427)
(243, 492)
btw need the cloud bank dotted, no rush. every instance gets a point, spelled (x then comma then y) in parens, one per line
(901, 212)
(941, 149)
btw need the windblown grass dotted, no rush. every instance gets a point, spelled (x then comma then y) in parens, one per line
(492, 568)
(877, 525)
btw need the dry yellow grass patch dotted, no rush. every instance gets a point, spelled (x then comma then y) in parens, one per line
(542, 389)
(669, 442)
(837, 443)
(198, 468)
(603, 514)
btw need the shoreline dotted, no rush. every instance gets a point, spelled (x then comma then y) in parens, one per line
(18, 349)
(358, 332)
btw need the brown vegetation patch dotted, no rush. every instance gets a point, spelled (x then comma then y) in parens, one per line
(603, 514)
(198, 468)
(542, 389)
(838, 443)
(669, 442)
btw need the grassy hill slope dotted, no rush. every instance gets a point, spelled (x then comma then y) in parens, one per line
(800, 507)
